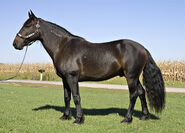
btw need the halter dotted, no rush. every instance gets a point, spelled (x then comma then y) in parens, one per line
(24, 37)
(32, 34)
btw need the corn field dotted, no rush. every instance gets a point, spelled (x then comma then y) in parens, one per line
(28, 68)
(171, 70)
(29, 71)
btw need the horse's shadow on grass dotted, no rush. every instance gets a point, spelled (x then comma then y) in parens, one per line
(105, 111)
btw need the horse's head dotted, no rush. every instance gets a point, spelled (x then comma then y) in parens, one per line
(28, 33)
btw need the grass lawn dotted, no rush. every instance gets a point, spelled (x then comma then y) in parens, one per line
(33, 108)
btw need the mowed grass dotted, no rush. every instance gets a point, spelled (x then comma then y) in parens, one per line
(33, 108)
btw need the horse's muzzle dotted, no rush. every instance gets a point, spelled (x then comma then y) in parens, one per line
(18, 47)
(18, 44)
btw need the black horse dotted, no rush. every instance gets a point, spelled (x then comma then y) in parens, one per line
(76, 59)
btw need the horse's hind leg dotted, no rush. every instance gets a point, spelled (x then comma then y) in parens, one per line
(132, 85)
(145, 112)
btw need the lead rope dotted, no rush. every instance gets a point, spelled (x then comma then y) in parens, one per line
(19, 66)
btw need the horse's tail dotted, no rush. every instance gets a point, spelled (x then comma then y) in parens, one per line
(154, 84)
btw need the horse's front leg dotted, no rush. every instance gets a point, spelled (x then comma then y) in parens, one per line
(72, 80)
(67, 98)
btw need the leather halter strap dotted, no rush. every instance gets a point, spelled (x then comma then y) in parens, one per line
(31, 34)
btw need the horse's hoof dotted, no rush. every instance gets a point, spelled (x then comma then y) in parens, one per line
(127, 120)
(79, 120)
(145, 117)
(65, 117)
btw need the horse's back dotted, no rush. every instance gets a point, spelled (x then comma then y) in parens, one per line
(99, 61)
(130, 56)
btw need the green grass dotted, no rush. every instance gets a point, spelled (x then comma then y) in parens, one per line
(32, 108)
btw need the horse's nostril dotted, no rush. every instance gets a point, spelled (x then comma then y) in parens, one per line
(14, 44)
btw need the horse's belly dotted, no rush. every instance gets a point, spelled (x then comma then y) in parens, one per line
(98, 72)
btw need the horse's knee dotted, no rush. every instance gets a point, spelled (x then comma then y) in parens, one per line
(67, 99)
(76, 99)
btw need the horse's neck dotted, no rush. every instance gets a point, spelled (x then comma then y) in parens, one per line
(50, 40)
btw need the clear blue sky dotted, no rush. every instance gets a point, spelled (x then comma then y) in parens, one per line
(159, 25)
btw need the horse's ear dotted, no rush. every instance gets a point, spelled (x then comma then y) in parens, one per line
(31, 14)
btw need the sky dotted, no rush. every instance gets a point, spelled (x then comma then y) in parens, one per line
(159, 25)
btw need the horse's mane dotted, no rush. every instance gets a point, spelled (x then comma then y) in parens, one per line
(62, 30)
